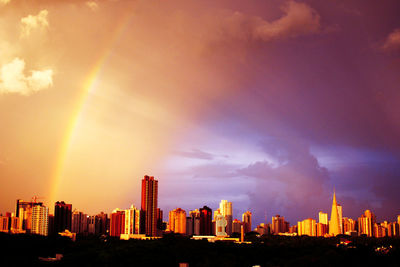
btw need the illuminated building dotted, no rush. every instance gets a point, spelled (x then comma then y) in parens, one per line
(149, 206)
(349, 225)
(132, 221)
(117, 222)
(62, 216)
(334, 223)
(40, 220)
(323, 217)
(340, 216)
(236, 225)
(307, 227)
(379, 230)
(278, 225)
(246, 221)
(262, 229)
(24, 210)
(393, 229)
(225, 208)
(177, 221)
(220, 225)
(4, 224)
(205, 221)
(366, 223)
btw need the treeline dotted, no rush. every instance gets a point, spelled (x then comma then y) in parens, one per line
(174, 249)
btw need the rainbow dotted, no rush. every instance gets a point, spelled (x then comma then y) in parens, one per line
(87, 88)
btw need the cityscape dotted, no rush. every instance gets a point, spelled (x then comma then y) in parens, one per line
(147, 222)
(200, 133)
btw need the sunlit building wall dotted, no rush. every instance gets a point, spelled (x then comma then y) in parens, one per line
(177, 221)
(307, 227)
(323, 217)
(334, 223)
(40, 220)
(117, 222)
(225, 209)
(149, 206)
(4, 224)
(349, 225)
(236, 224)
(322, 229)
(132, 221)
(366, 223)
(279, 225)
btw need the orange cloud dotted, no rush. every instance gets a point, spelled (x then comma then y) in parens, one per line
(392, 41)
(30, 23)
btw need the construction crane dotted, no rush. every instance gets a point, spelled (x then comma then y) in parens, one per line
(34, 198)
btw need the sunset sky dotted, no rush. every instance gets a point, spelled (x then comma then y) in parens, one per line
(269, 104)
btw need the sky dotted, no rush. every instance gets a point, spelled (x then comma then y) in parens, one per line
(269, 104)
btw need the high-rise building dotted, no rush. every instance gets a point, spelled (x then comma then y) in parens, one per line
(279, 225)
(40, 220)
(194, 227)
(225, 209)
(340, 216)
(132, 221)
(366, 223)
(79, 222)
(177, 221)
(334, 223)
(349, 225)
(323, 217)
(117, 223)
(220, 225)
(236, 225)
(149, 206)
(246, 220)
(307, 227)
(101, 223)
(62, 216)
(205, 221)
(4, 224)
(24, 210)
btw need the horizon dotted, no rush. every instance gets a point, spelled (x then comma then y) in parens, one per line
(267, 104)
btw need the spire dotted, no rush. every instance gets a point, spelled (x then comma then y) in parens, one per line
(334, 197)
(334, 225)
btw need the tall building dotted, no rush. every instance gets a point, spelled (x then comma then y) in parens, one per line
(62, 216)
(225, 209)
(24, 210)
(220, 225)
(177, 221)
(117, 223)
(194, 227)
(279, 225)
(349, 225)
(40, 220)
(79, 222)
(205, 221)
(366, 223)
(323, 217)
(101, 224)
(334, 224)
(340, 216)
(246, 220)
(236, 225)
(149, 206)
(132, 221)
(307, 227)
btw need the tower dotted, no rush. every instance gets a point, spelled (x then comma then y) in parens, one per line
(40, 220)
(205, 221)
(149, 206)
(246, 219)
(225, 208)
(334, 226)
(62, 217)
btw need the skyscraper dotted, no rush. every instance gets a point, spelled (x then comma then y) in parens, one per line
(117, 222)
(40, 220)
(177, 221)
(246, 220)
(62, 217)
(132, 221)
(24, 210)
(366, 223)
(205, 221)
(149, 206)
(340, 216)
(307, 227)
(334, 227)
(323, 217)
(279, 225)
(225, 209)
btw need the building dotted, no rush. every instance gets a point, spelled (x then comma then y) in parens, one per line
(40, 220)
(79, 222)
(149, 206)
(340, 216)
(62, 216)
(366, 223)
(5, 223)
(205, 221)
(349, 225)
(322, 229)
(334, 223)
(262, 229)
(246, 221)
(225, 209)
(323, 217)
(117, 222)
(220, 225)
(307, 227)
(132, 221)
(236, 226)
(279, 225)
(193, 223)
(177, 221)
(24, 210)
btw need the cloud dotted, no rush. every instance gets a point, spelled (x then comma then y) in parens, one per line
(13, 79)
(196, 154)
(92, 5)
(31, 23)
(392, 41)
(298, 19)
(4, 2)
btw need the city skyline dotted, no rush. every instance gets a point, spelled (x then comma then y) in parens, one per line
(267, 104)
